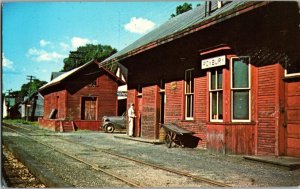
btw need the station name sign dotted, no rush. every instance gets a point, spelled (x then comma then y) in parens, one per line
(213, 62)
(122, 93)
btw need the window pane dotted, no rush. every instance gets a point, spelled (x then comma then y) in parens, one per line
(220, 79)
(189, 106)
(189, 81)
(240, 104)
(192, 81)
(240, 73)
(213, 80)
(214, 105)
(220, 105)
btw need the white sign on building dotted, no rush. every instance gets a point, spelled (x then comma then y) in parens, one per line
(213, 62)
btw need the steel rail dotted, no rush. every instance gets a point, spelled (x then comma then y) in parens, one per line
(209, 181)
(93, 166)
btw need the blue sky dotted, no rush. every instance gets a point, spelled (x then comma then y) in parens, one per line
(37, 36)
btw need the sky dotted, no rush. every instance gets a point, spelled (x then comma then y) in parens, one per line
(37, 36)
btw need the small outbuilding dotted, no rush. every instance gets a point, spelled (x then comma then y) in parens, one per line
(32, 107)
(80, 98)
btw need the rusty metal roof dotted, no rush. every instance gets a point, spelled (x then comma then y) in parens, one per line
(65, 75)
(180, 25)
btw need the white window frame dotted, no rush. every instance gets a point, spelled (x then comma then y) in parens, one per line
(290, 75)
(188, 94)
(233, 89)
(210, 96)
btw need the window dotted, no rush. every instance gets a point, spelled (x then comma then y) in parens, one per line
(292, 69)
(88, 108)
(93, 83)
(216, 95)
(240, 89)
(189, 94)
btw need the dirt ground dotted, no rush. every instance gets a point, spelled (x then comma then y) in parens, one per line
(230, 169)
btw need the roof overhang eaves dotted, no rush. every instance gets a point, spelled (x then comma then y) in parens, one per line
(58, 82)
(192, 29)
(117, 79)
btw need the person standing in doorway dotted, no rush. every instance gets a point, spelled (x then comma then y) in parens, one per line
(131, 117)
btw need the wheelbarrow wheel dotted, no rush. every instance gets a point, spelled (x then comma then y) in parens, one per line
(168, 140)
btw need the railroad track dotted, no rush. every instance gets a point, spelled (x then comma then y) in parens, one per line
(132, 183)
(93, 166)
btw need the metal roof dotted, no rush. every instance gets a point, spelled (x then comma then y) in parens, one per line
(64, 75)
(55, 75)
(181, 23)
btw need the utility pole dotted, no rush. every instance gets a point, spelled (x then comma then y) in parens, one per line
(30, 78)
(9, 92)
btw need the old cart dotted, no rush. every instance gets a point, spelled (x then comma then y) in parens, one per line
(174, 134)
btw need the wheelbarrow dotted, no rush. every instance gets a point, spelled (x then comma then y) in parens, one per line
(174, 134)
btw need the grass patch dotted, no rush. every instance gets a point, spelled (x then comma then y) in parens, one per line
(20, 121)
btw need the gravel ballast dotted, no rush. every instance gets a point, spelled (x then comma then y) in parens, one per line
(230, 169)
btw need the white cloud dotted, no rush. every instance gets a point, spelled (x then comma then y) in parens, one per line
(40, 55)
(64, 46)
(78, 41)
(44, 43)
(7, 63)
(139, 25)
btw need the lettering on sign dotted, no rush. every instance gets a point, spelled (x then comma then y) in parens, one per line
(122, 93)
(213, 62)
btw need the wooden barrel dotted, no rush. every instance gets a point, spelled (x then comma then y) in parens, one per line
(162, 134)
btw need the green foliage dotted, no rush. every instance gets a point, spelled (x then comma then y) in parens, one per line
(20, 121)
(182, 8)
(29, 88)
(87, 53)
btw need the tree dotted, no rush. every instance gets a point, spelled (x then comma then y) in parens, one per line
(88, 52)
(29, 88)
(182, 8)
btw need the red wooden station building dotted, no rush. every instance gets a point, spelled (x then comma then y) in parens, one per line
(80, 98)
(228, 71)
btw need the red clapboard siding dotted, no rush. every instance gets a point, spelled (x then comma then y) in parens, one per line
(149, 112)
(216, 138)
(105, 93)
(55, 100)
(173, 107)
(88, 125)
(266, 110)
(200, 98)
(293, 118)
(239, 139)
(67, 97)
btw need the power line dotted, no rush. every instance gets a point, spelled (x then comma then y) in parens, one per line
(30, 78)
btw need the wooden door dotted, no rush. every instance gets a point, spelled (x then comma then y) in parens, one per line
(138, 120)
(292, 118)
(88, 108)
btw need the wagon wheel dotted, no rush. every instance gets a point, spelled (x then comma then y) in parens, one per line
(168, 140)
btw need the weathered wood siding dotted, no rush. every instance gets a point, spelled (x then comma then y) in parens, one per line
(150, 116)
(49, 124)
(55, 100)
(266, 110)
(293, 118)
(67, 97)
(174, 101)
(88, 125)
(106, 101)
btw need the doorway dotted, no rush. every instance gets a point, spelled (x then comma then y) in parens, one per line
(88, 108)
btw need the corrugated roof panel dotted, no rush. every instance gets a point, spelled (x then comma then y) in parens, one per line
(174, 25)
(63, 76)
